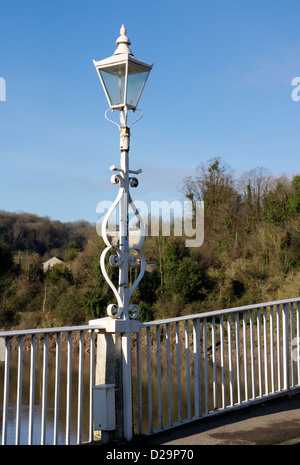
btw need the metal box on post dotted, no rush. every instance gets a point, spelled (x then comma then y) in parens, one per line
(104, 407)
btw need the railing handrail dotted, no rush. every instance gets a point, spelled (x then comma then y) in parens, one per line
(218, 312)
(101, 325)
(59, 329)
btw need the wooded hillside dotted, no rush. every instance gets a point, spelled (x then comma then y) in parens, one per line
(250, 254)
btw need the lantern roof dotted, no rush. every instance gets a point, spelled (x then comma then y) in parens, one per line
(122, 54)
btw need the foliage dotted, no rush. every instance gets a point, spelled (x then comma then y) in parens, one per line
(57, 273)
(27, 232)
(251, 253)
(71, 252)
(5, 259)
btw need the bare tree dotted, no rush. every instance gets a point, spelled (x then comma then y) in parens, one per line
(253, 185)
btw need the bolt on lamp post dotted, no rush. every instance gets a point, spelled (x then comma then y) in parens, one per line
(123, 78)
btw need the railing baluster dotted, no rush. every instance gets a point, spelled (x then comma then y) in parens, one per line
(177, 341)
(32, 389)
(278, 348)
(150, 418)
(272, 360)
(298, 342)
(44, 389)
(292, 341)
(266, 353)
(285, 346)
(213, 342)
(230, 366)
(187, 366)
(56, 394)
(159, 385)
(139, 383)
(19, 390)
(245, 356)
(127, 384)
(205, 362)
(259, 359)
(92, 382)
(197, 367)
(238, 357)
(222, 361)
(252, 355)
(169, 373)
(69, 388)
(80, 389)
(6, 390)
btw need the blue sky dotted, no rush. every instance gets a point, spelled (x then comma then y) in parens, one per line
(220, 86)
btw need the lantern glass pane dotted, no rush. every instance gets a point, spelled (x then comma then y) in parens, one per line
(137, 77)
(114, 81)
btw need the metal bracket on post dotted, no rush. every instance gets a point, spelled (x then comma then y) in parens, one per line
(124, 138)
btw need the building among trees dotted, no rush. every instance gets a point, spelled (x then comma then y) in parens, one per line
(50, 263)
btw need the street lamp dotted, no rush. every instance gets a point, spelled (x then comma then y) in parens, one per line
(123, 78)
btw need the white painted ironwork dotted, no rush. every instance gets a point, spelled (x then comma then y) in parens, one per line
(124, 256)
(119, 69)
(123, 78)
(69, 388)
(57, 386)
(92, 378)
(6, 391)
(80, 390)
(48, 413)
(190, 374)
(19, 390)
(32, 389)
(236, 355)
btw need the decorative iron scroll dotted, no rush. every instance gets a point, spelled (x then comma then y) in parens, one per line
(117, 259)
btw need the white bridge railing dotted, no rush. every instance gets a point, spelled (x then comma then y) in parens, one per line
(182, 369)
(32, 389)
(199, 365)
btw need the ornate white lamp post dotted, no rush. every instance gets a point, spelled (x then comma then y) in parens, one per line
(123, 78)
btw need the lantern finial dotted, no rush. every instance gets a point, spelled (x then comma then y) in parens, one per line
(123, 43)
